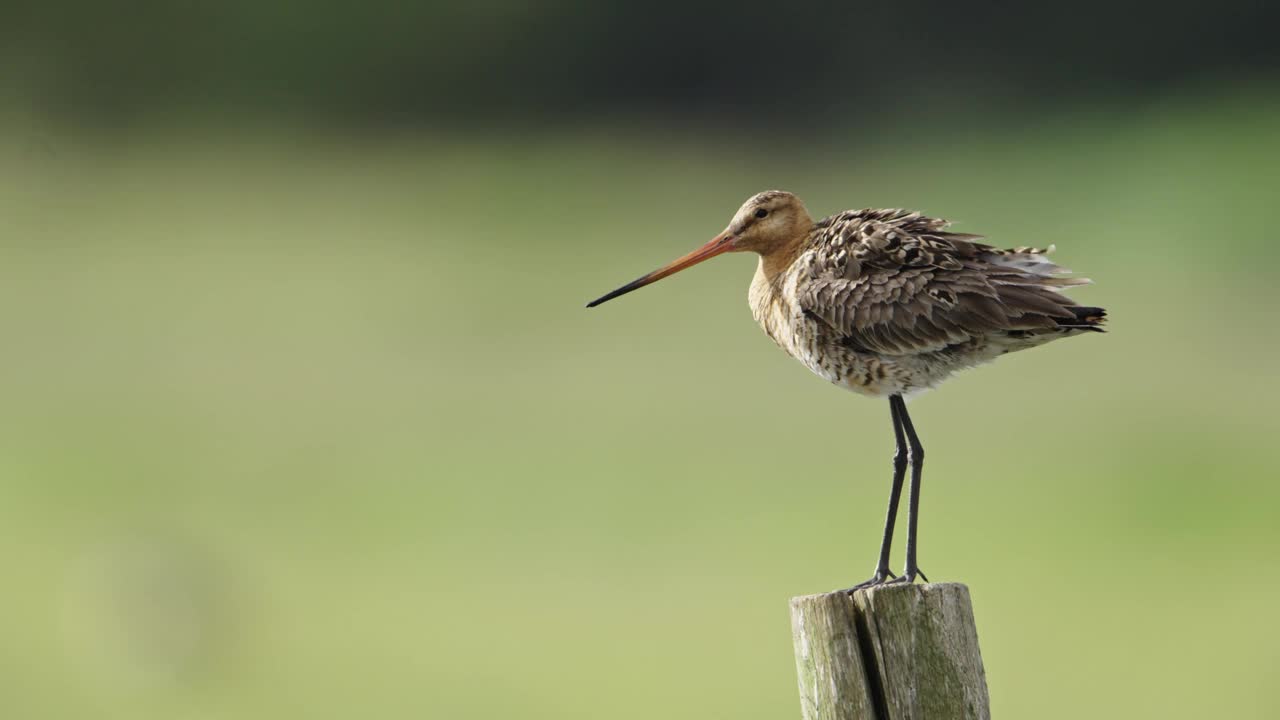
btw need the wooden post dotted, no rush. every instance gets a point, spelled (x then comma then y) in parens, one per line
(893, 652)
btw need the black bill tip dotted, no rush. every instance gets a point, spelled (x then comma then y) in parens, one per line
(634, 285)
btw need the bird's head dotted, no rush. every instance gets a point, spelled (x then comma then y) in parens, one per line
(767, 223)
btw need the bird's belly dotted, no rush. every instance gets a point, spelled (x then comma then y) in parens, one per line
(864, 373)
(812, 343)
(871, 374)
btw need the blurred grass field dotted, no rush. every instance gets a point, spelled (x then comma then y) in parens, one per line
(297, 424)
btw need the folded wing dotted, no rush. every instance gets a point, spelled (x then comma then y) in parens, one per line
(897, 283)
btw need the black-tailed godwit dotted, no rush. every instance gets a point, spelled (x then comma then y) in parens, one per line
(888, 303)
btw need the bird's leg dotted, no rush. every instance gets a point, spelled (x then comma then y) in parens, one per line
(916, 456)
(899, 473)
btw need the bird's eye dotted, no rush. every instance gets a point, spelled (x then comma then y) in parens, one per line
(762, 213)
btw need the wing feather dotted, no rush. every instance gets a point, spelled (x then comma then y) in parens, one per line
(897, 283)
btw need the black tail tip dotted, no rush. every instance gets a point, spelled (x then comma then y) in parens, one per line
(1090, 315)
(1085, 318)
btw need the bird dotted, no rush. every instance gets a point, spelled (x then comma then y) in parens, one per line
(888, 303)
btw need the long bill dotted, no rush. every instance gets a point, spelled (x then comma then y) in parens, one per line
(719, 244)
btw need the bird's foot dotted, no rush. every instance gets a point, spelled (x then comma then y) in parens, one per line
(880, 578)
(909, 576)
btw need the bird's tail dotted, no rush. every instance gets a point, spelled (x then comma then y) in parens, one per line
(1086, 318)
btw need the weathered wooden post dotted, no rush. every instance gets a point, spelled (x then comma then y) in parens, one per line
(893, 652)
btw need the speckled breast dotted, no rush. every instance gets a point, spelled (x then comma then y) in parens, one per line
(774, 308)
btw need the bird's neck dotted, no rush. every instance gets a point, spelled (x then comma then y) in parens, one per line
(775, 261)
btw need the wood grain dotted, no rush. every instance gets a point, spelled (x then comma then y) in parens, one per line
(894, 652)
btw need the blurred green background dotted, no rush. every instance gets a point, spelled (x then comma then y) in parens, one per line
(302, 416)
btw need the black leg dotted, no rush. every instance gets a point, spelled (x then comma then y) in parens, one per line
(912, 569)
(899, 473)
